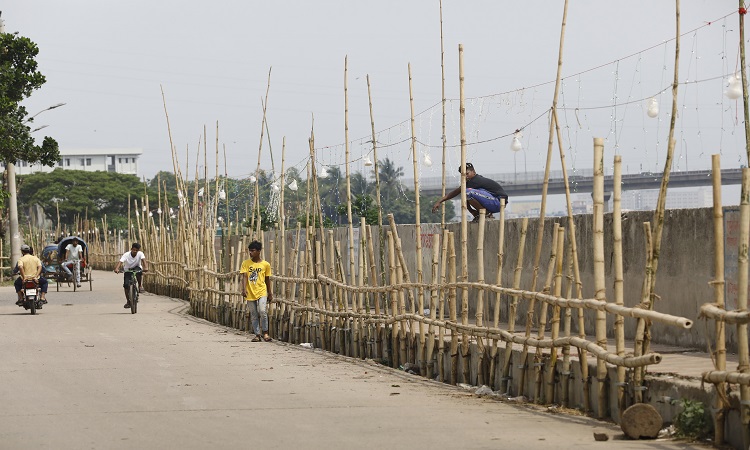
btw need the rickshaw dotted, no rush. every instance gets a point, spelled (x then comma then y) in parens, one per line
(60, 275)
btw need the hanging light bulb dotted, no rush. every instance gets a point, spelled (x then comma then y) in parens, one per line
(144, 208)
(222, 195)
(200, 192)
(293, 185)
(426, 160)
(515, 144)
(137, 214)
(253, 179)
(653, 108)
(275, 187)
(158, 211)
(368, 162)
(323, 172)
(734, 87)
(150, 214)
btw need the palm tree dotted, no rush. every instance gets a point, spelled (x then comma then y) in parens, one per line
(390, 177)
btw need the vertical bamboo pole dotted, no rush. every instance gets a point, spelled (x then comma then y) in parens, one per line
(464, 226)
(441, 314)
(549, 394)
(394, 299)
(743, 69)
(434, 292)
(443, 137)
(720, 354)
(452, 314)
(282, 220)
(618, 285)
(479, 316)
(418, 230)
(260, 149)
(498, 296)
(352, 278)
(542, 324)
(376, 296)
(566, 331)
(599, 280)
(507, 363)
(742, 281)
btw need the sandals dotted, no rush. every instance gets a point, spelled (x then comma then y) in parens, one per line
(266, 337)
(256, 338)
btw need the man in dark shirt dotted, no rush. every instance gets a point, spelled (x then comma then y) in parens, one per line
(481, 193)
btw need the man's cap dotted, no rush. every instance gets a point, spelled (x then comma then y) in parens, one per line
(469, 166)
(25, 248)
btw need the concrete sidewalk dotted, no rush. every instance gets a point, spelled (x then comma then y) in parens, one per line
(85, 373)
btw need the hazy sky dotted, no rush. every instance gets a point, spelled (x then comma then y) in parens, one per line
(109, 60)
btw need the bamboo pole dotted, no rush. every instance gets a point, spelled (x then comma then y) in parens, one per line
(720, 354)
(619, 280)
(433, 307)
(506, 384)
(599, 280)
(743, 70)
(479, 315)
(418, 226)
(498, 282)
(549, 393)
(441, 315)
(646, 305)
(376, 170)
(566, 332)
(452, 315)
(348, 179)
(443, 137)
(394, 299)
(743, 349)
(538, 364)
(547, 166)
(658, 220)
(464, 204)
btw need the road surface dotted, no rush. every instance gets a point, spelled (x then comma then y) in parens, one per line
(86, 374)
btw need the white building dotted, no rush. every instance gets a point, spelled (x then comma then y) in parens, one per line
(120, 160)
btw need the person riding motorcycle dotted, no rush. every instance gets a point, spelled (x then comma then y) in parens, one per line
(29, 268)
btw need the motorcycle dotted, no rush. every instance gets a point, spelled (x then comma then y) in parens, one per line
(32, 298)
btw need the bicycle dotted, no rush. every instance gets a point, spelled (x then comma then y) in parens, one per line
(132, 292)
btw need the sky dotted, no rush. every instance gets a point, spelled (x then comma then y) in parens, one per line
(111, 62)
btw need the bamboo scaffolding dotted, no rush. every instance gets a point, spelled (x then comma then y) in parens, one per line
(443, 136)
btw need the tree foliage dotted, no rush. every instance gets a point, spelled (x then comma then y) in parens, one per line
(80, 193)
(19, 77)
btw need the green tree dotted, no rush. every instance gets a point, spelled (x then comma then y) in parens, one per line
(19, 77)
(80, 193)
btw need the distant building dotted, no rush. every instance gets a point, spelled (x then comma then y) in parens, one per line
(120, 160)
(676, 199)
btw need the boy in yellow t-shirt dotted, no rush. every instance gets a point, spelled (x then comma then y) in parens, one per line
(256, 289)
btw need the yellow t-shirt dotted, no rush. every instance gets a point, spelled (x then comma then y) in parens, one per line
(30, 263)
(256, 278)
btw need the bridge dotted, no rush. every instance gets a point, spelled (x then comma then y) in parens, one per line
(581, 181)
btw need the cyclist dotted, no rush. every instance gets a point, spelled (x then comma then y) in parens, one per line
(134, 259)
(29, 267)
(73, 255)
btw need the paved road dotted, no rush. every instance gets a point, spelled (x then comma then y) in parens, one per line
(86, 374)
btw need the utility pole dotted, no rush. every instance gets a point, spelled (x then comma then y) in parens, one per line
(10, 171)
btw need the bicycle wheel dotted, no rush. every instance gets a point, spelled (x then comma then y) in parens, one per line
(133, 298)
